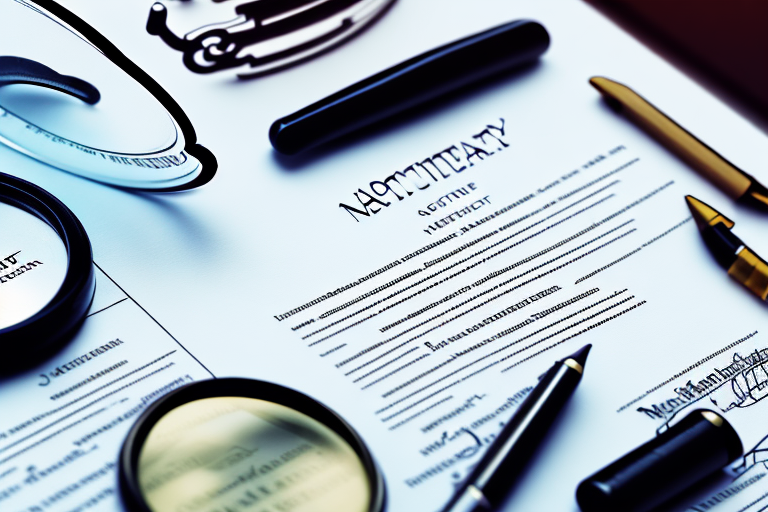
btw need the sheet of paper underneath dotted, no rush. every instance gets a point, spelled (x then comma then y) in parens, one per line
(528, 220)
(64, 421)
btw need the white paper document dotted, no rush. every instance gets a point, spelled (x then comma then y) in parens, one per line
(64, 421)
(418, 279)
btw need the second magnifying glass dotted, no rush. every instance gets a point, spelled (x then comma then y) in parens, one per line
(46, 274)
(241, 444)
(70, 99)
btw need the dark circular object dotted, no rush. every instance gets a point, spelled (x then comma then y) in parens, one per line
(45, 332)
(128, 464)
(698, 445)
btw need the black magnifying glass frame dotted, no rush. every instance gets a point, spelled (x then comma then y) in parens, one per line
(203, 155)
(45, 332)
(128, 469)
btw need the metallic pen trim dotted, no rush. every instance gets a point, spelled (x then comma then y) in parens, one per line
(742, 263)
(713, 418)
(471, 499)
(570, 363)
(752, 271)
(477, 494)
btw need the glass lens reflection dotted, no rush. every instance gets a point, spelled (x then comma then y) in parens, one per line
(237, 454)
(126, 138)
(33, 263)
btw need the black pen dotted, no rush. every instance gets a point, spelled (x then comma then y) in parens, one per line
(410, 83)
(493, 477)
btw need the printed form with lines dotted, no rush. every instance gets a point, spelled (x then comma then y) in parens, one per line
(437, 348)
(416, 280)
(441, 345)
(62, 423)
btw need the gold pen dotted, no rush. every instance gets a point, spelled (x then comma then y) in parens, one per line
(722, 173)
(743, 264)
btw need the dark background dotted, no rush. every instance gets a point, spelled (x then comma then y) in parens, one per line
(722, 44)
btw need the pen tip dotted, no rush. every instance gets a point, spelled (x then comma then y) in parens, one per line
(608, 89)
(581, 355)
(599, 82)
(704, 215)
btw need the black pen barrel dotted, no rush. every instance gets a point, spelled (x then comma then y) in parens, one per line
(722, 243)
(528, 427)
(410, 83)
(512, 450)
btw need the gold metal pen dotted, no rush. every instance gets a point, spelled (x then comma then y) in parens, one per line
(722, 173)
(742, 263)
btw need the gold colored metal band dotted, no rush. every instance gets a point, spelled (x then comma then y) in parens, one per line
(713, 418)
(570, 363)
(476, 493)
(761, 198)
(751, 271)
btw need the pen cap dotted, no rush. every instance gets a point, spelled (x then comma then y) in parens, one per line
(700, 444)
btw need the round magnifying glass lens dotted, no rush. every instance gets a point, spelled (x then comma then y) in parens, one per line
(65, 103)
(33, 264)
(235, 453)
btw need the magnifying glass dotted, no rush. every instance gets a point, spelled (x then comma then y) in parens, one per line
(241, 444)
(71, 99)
(46, 273)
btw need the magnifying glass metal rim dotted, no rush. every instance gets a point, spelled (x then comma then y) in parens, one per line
(246, 388)
(203, 155)
(50, 328)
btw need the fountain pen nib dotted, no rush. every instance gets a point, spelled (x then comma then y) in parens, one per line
(705, 215)
(581, 355)
(577, 360)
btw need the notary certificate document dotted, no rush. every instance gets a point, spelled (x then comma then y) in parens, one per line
(417, 278)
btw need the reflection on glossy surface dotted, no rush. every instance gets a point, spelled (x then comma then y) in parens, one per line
(237, 454)
(33, 262)
(127, 138)
(127, 118)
